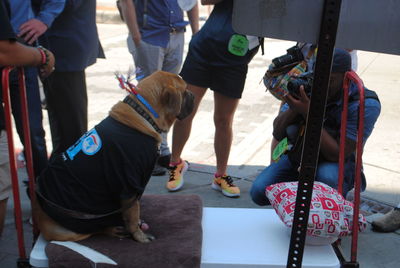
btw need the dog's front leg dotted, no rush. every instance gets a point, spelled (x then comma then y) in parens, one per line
(131, 217)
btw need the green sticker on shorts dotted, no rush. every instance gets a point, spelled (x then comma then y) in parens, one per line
(280, 149)
(238, 45)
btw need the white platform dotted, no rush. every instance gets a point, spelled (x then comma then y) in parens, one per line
(240, 238)
(243, 237)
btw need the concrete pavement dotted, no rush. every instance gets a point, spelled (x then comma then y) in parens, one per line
(250, 150)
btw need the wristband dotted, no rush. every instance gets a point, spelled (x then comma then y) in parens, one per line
(45, 56)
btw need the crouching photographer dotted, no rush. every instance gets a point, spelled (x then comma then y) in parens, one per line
(289, 128)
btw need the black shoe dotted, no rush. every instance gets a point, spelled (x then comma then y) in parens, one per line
(26, 184)
(164, 160)
(159, 170)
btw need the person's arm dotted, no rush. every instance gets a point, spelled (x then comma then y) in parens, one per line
(329, 147)
(193, 16)
(129, 14)
(210, 2)
(32, 29)
(16, 54)
(282, 121)
(297, 107)
(274, 141)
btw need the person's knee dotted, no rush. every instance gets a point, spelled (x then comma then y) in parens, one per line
(328, 173)
(257, 194)
(223, 121)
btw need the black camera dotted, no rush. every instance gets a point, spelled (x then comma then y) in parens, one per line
(293, 54)
(305, 80)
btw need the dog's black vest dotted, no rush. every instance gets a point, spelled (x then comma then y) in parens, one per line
(109, 163)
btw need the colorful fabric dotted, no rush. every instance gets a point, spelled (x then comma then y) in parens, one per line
(277, 83)
(330, 214)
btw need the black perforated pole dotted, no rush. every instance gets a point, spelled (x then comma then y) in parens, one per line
(316, 113)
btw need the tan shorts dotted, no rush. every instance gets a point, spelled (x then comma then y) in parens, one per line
(5, 176)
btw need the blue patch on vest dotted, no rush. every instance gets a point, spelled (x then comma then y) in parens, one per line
(89, 144)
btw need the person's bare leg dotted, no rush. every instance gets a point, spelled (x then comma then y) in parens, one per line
(224, 111)
(182, 128)
(3, 210)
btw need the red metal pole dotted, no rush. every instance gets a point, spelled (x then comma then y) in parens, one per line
(359, 151)
(13, 163)
(28, 144)
(343, 127)
(352, 77)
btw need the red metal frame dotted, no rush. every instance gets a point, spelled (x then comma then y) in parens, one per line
(352, 77)
(28, 153)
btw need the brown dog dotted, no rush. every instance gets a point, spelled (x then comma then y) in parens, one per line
(95, 186)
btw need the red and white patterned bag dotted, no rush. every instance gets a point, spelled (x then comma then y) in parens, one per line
(331, 216)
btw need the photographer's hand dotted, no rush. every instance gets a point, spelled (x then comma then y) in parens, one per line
(300, 104)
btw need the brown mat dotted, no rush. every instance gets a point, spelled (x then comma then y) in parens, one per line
(175, 221)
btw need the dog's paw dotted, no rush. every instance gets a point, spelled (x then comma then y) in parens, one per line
(117, 231)
(142, 237)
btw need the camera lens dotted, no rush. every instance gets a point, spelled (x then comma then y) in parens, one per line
(294, 84)
(283, 60)
(293, 55)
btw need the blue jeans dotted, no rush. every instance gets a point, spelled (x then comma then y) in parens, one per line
(39, 151)
(284, 170)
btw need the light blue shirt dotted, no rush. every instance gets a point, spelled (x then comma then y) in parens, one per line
(21, 11)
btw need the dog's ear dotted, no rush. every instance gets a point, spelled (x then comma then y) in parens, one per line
(171, 99)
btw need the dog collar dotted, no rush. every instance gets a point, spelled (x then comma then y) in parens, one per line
(132, 89)
(145, 103)
(142, 112)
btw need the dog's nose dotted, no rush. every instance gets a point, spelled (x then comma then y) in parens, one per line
(187, 105)
(188, 94)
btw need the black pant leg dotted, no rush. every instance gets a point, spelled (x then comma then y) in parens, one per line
(67, 102)
(37, 133)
